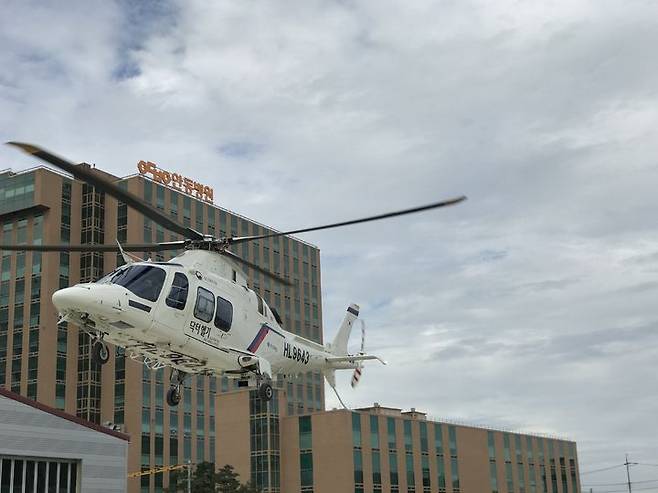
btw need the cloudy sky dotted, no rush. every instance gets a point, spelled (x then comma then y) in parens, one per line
(531, 306)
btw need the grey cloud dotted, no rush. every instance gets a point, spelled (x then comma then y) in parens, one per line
(550, 284)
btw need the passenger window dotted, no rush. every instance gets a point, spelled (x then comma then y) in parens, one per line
(178, 293)
(224, 315)
(205, 305)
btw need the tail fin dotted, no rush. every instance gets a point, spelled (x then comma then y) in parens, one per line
(338, 346)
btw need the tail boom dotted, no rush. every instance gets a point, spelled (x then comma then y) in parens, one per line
(349, 362)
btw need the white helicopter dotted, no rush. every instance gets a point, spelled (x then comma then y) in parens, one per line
(194, 313)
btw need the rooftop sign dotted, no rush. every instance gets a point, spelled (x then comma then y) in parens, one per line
(177, 181)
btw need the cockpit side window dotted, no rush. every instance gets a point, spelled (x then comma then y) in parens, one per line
(178, 293)
(260, 304)
(205, 305)
(144, 281)
(224, 315)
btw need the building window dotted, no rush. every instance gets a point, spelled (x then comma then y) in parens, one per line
(408, 444)
(425, 467)
(374, 432)
(356, 430)
(358, 467)
(393, 468)
(493, 477)
(376, 470)
(454, 472)
(305, 433)
(506, 448)
(508, 476)
(521, 474)
(390, 426)
(265, 446)
(159, 197)
(306, 468)
(452, 434)
(491, 444)
(423, 437)
(517, 449)
(34, 474)
(411, 479)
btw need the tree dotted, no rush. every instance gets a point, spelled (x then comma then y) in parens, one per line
(248, 487)
(206, 480)
(203, 478)
(227, 480)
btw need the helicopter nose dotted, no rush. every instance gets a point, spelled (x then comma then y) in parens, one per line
(76, 298)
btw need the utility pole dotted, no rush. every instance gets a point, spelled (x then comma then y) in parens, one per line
(189, 476)
(628, 472)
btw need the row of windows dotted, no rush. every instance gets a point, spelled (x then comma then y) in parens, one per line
(264, 443)
(62, 329)
(88, 399)
(16, 192)
(21, 475)
(147, 281)
(21, 299)
(204, 309)
(527, 454)
(391, 434)
(535, 482)
(391, 431)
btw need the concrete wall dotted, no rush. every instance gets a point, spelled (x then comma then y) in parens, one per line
(29, 432)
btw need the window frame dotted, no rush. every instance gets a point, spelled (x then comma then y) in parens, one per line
(199, 289)
(218, 304)
(176, 303)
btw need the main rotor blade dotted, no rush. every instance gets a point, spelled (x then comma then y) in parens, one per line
(445, 203)
(267, 273)
(92, 178)
(135, 247)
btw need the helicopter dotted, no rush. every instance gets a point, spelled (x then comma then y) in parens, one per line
(196, 312)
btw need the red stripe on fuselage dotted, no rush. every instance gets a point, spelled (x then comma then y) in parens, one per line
(258, 340)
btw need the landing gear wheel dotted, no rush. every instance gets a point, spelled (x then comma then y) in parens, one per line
(265, 392)
(173, 396)
(100, 353)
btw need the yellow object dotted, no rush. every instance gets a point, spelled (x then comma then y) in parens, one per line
(157, 470)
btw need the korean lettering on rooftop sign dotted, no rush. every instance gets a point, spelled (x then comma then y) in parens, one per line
(176, 180)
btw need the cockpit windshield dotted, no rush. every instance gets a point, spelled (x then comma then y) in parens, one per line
(144, 281)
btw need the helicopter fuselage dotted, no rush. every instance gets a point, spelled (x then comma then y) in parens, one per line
(194, 313)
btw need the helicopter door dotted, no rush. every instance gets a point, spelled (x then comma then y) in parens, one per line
(174, 313)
